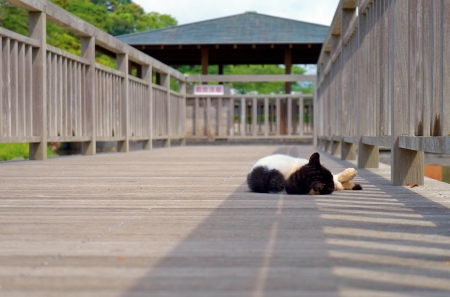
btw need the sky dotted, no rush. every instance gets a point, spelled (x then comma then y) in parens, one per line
(190, 11)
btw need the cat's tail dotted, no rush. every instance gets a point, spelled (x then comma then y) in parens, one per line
(262, 180)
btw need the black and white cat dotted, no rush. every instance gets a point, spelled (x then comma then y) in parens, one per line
(277, 173)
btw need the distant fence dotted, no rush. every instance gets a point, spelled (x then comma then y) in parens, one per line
(281, 116)
(49, 95)
(384, 81)
(248, 116)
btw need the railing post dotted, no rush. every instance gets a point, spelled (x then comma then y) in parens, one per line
(348, 151)
(147, 76)
(406, 165)
(243, 116)
(367, 154)
(289, 116)
(37, 30)
(165, 82)
(254, 116)
(301, 116)
(266, 117)
(182, 91)
(208, 125)
(231, 118)
(88, 52)
(122, 65)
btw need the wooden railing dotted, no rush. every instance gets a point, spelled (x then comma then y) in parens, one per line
(248, 117)
(49, 95)
(384, 81)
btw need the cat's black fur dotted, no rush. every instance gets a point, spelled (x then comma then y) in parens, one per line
(310, 177)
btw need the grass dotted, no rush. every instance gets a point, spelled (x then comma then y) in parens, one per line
(10, 151)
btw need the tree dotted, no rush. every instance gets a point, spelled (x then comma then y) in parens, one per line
(131, 18)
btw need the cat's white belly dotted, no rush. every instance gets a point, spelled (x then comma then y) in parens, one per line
(283, 163)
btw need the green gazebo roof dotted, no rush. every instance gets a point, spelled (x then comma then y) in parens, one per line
(248, 38)
(246, 28)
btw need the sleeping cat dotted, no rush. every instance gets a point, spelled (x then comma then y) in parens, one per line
(277, 173)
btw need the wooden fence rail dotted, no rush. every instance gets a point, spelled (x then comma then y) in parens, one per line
(384, 81)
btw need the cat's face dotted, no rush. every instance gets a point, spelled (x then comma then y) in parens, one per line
(320, 179)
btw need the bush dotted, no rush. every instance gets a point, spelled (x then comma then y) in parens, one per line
(10, 151)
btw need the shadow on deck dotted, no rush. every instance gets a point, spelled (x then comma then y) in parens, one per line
(181, 222)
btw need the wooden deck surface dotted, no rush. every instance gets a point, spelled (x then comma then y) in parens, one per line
(181, 222)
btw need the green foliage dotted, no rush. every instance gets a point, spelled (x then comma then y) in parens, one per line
(96, 15)
(13, 18)
(10, 151)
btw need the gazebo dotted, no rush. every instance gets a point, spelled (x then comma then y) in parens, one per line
(248, 38)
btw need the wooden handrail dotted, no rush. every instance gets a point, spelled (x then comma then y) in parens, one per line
(383, 80)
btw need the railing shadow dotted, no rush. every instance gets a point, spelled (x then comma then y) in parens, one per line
(382, 241)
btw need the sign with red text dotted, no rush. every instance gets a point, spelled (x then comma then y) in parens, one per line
(208, 90)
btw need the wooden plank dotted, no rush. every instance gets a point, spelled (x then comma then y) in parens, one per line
(22, 78)
(428, 78)
(122, 66)
(435, 145)
(59, 96)
(6, 90)
(419, 70)
(28, 90)
(50, 81)
(445, 76)
(254, 116)
(243, 117)
(406, 165)
(17, 139)
(367, 154)
(437, 68)
(219, 116)
(19, 37)
(278, 112)
(208, 123)
(165, 82)
(147, 77)
(289, 116)
(239, 96)
(2, 69)
(14, 83)
(231, 118)
(196, 116)
(266, 117)
(88, 98)
(110, 70)
(384, 141)
(67, 55)
(412, 107)
(251, 78)
(301, 113)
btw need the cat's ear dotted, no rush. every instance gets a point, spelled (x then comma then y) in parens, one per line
(314, 160)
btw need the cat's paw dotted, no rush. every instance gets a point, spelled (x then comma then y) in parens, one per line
(347, 175)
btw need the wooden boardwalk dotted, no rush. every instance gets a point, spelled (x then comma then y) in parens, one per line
(181, 222)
